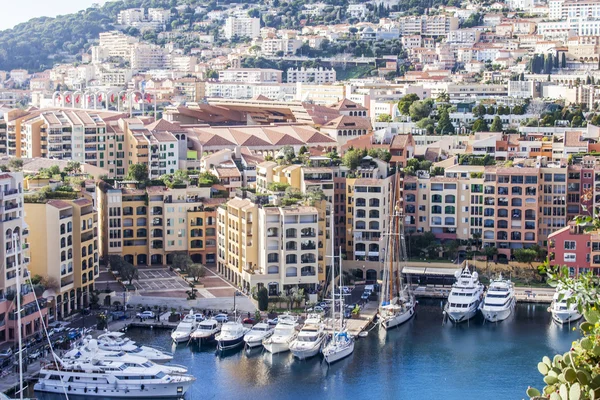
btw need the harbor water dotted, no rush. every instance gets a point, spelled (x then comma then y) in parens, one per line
(422, 359)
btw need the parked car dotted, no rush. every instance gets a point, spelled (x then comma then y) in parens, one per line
(199, 317)
(145, 315)
(221, 318)
(348, 313)
(317, 309)
(248, 321)
(273, 321)
(346, 290)
(365, 296)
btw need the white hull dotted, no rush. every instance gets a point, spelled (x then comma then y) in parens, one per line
(204, 335)
(255, 341)
(180, 338)
(496, 314)
(336, 353)
(124, 390)
(461, 316)
(276, 347)
(390, 322)
(304, 350)
(565, 317)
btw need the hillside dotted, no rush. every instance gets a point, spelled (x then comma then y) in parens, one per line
(31, 45)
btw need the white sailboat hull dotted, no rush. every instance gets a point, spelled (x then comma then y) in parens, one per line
(254, 340)
(398, 319)
(337, 352)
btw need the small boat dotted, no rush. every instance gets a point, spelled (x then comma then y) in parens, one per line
(310, 339)
(562, 311)
(465, 297)
(258, 333)
(284, 333)
(499, 300)
(185, 328)
(206, 330)
(231, 335)
(116, 341)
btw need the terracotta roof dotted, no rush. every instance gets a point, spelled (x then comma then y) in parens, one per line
(573, 139)
(227, 172)
(58, 204)
(346, 122)
(347, 105)
(399, 142)
(162, 125)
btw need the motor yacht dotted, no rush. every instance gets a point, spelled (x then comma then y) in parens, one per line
(116, 341)
(465, 297)
(258, 333)
(185, 328)
(111, 379)
(206, 330)
(231, 335)
(499, 300)
(562, 311)
(284, 333)
(310, 339)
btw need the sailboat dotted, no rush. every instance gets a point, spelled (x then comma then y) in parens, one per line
(397, 303)
(341, 344)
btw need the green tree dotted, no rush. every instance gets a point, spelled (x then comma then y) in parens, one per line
(73, 167)
(384, 118)
(563, 61)
(451, 248)
(181, 261)
(263, 299)
(527, 256)
(496, 125)
(479, 110)
(428, 124)
(405, 102)
(15, 164)
(128, 272)
(444, 126)
(419, 110)
(480, 126)
(196, 271)
(352, 158)
(138, 172)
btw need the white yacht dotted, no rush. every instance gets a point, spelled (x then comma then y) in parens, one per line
(562, 311)
(90, 351)
(499, 301)
(284, 333)
(310, 339)
(116, 341)
(258, 333)
(206, 330)
(111, 379)
(185, 328)
(465, 297)
(231, 335)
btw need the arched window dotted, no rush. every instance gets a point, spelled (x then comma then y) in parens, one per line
(290, 233)
(291, 259)
(291, 271)
(69, 240)
(62, 229)
(375, 202)
(273, 257)
(374, 214)
(83, 251)
(291, 245)
(450, 198)
(360, 213)
(63, 242)
(273, 269)
(360, 225)
(374, 225)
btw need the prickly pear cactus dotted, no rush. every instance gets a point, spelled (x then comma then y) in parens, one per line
(574, 375)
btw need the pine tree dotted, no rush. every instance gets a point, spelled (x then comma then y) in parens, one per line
(444, 125)
(563, 62)
(496, 125)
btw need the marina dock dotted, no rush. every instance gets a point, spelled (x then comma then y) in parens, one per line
(522, 294)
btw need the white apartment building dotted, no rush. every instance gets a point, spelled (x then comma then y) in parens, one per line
(566, 9)
(115, 44)
(242, 27)
(357, 10)
(129, 16)
(160, 15)
(427, 25)
(270, 47)
(250, 75)
(234, 90)
(470, 36)
(311, 75)
(145, 57)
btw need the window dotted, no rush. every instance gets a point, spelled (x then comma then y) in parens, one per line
(570, 245)
(570, 257)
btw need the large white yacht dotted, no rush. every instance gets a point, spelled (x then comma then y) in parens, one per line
(562, 311)
(185, 328)
(310, 339)
(206, 330)
(285, 332)
(111, 379)
(116, 341)
(258, 333)
(231, 335)
(465, 297)
(499, 301)
(89, 351)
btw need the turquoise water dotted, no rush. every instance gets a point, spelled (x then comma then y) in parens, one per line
(420, 360)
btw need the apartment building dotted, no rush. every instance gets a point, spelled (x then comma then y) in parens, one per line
(147, 226)
(113, 44)
(242, 27)
(65, 249)
(272, 46)
(251, 75)
(131, 15)
(311, 75)
(575, 247)
(234, 90)
(14, 249)
(273, 247)
(145, 57)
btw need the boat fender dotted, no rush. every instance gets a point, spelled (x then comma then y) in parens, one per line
(96, 390)
(69, 388)
(85, 389)
(143, 387)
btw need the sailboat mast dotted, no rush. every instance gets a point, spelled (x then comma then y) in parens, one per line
(18, 296)
(341, 294)
(332, 266)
